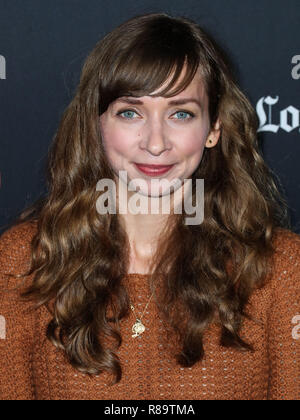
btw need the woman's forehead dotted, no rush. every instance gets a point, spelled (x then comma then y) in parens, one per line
(181, 99)
(193, 85)
(195, 91)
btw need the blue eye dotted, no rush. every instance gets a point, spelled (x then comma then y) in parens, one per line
(182, 114)
(128, 112)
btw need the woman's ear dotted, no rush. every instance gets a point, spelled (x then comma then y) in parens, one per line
(214, 135)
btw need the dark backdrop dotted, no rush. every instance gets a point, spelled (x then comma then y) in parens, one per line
(43, 45)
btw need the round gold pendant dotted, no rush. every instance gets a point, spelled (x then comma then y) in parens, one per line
(138, 328)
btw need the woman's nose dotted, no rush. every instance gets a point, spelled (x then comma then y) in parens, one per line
(154, 138)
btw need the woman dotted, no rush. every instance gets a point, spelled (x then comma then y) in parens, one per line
(146, 306)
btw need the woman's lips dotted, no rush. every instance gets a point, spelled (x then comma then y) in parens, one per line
(153, 169)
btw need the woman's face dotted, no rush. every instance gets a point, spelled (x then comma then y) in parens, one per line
(158, 131)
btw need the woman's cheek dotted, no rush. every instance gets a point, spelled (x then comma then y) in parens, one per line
(193, 144)
(121, 140)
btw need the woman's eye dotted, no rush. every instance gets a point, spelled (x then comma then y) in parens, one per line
(182, 115)
(128, 114)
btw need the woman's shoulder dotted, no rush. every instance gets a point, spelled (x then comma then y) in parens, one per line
(286, 243)
(17, 316)
(15, 247)
(286, 261)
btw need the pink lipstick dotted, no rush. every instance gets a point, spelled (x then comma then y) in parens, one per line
(153, 170)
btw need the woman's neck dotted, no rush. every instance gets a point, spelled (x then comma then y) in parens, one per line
(144, 228)
(143, 232)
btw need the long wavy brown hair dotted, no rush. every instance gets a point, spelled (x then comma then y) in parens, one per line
(80, 258)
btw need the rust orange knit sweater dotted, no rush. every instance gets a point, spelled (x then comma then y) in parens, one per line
(31, 368)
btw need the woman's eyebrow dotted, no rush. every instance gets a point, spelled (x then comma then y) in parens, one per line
(183, 101)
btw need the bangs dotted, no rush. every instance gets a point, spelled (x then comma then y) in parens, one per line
(149, 61)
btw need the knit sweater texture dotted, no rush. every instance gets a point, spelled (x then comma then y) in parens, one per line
(32, 368)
